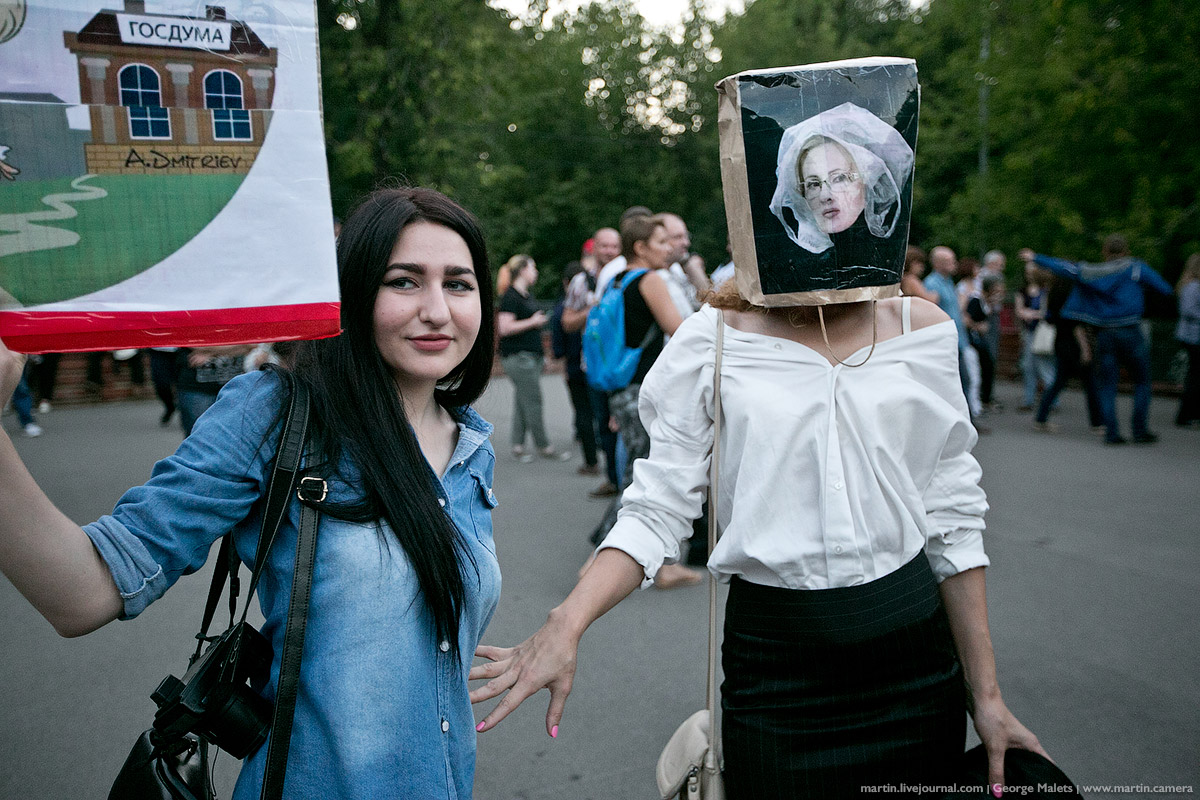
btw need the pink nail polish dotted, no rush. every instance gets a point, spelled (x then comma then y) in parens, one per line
(479, 727)
(996, 790)
(554, 732)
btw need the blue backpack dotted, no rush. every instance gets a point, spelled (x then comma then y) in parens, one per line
(609, 362)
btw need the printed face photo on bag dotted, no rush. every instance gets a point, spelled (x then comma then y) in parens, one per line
(831, 184)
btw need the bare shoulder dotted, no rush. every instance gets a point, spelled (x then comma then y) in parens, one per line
(925, 313)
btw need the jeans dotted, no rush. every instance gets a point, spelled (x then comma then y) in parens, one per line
(1116, 347)
(1035, 368)
(22, 401)
(624, 406)
(1189, 402)
(525, 370)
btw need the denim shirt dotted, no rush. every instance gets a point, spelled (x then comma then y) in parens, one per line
(383, 708)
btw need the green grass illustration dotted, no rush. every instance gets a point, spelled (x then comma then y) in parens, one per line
(143, 220)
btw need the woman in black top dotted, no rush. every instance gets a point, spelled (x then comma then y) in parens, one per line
(519, 326)
(649, 314)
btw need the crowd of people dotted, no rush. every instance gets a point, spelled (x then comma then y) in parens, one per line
(873, 553)
(186, 380)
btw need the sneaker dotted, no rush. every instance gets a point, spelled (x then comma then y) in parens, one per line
(1045, 427)
(1115, 440)
(1145, 438)
(555, 455)
(44, 407)
(589, 469)
(33, 429)
(1025, 408)
(605, 489)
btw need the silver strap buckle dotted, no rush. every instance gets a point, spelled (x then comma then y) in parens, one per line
(312, 489)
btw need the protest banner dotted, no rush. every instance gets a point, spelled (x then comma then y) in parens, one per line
(162, 175)
(816, 167)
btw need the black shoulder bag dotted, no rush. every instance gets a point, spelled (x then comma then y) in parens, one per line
(218, 701)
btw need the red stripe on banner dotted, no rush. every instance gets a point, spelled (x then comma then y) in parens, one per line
(81, 331)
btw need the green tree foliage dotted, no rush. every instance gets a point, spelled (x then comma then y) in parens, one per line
(550, 123)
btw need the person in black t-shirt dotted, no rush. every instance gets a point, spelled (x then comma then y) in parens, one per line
(519, 325)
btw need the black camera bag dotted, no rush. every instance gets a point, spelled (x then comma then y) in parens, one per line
(219, 699)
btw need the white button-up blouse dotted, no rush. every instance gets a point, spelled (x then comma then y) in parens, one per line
(830, 476)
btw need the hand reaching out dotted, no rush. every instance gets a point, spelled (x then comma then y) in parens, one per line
(545, 660)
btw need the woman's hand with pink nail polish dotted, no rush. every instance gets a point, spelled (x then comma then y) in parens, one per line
(544, 661)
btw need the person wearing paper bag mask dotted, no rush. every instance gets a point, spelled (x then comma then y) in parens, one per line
(851, 519)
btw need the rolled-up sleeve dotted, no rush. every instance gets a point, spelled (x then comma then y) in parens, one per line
(669, 486)
(955, 505)
(165, 528)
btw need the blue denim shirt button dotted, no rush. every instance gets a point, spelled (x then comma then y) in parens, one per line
(445, 725)
(444, 646)
(442, 502)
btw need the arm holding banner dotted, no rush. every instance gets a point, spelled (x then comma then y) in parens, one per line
(48, 557)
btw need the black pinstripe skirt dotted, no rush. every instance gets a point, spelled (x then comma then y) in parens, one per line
(826, 691)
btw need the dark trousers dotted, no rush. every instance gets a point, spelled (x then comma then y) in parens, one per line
(164, 371)
(1116, 347)
(43, 375)
(1069, 365)
(606, 438)
(585, 419)
(1189, 402)
(830, 690)
(987, 373)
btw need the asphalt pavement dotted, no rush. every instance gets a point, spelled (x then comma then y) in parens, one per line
(1093, 594)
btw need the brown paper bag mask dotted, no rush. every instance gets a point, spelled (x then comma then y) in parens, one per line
(817, 166)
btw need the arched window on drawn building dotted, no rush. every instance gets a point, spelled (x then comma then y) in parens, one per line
(223, 96)
(141, 96)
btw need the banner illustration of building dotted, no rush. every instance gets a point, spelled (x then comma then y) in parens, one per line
(166, 176)
(164, 94)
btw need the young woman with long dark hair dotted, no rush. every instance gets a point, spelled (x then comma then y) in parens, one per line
(406, 577)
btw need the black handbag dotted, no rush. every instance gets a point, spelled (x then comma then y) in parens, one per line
(219, 699)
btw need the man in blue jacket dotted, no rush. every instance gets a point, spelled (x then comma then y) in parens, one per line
(1111, 298)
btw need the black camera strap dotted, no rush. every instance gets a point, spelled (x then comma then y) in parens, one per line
(284, 479)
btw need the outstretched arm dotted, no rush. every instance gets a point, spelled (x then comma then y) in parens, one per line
(546, 660)
(965, 598)
(49, 558)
